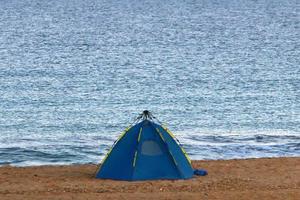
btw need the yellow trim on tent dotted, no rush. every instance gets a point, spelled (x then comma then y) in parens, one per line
(168, 131)
(173, 159)
(160, 134)
(105, 157)
(183, 151)
(140, 134)
(134, 160)
(124, 132)
(135, 154)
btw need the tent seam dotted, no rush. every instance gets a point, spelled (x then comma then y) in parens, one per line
(169, 152)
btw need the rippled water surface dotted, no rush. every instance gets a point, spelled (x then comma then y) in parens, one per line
(223, 75)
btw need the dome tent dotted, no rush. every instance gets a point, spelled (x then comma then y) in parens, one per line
(146, 151)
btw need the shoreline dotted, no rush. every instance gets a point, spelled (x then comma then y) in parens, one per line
(251, 178)
(95, 164)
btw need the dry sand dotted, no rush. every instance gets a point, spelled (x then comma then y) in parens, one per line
(267, 178)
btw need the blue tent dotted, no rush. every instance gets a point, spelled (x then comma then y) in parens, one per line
(146, 151)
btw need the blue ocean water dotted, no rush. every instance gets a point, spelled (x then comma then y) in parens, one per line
(224, 76)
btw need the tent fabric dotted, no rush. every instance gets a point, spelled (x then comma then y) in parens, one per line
(146, 151)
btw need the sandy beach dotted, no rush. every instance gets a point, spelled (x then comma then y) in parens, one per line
(265, 178)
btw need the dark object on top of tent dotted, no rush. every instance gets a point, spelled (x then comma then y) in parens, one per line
(146, 151)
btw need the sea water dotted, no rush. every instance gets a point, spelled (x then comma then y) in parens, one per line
(224, 76)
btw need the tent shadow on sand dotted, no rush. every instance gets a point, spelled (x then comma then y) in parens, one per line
(146, 151)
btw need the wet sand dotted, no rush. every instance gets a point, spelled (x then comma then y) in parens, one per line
(266, 178)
